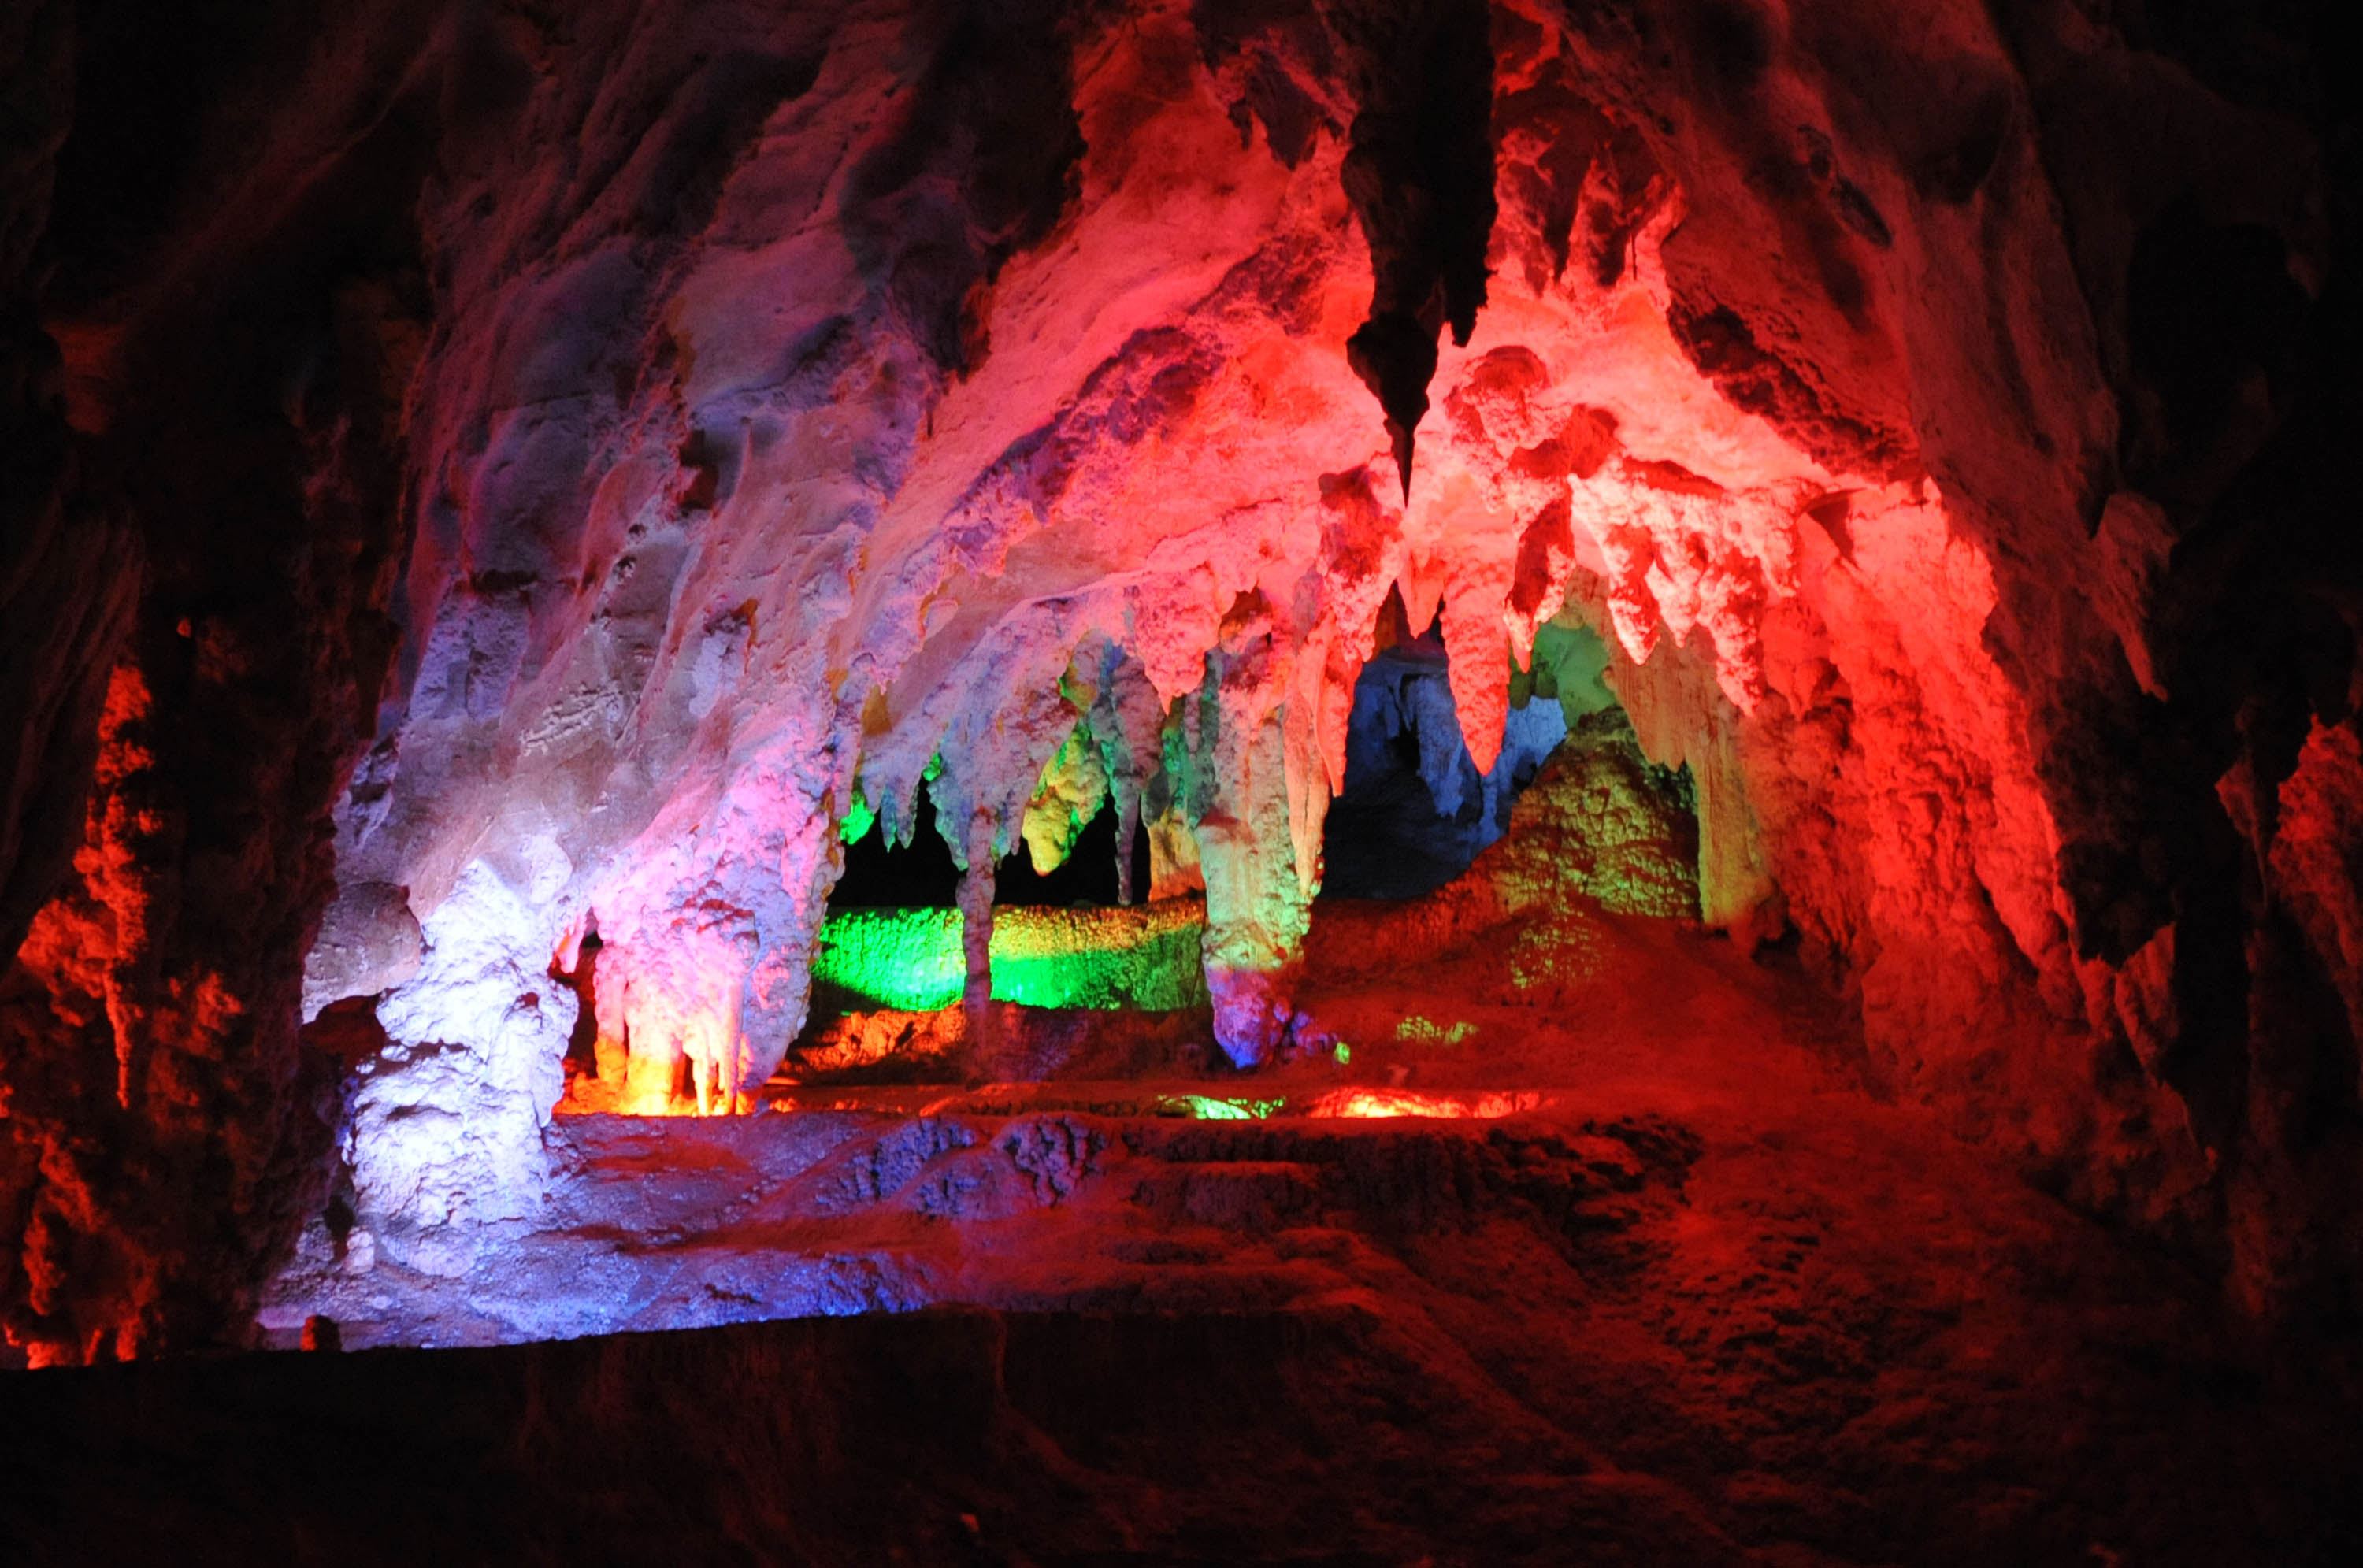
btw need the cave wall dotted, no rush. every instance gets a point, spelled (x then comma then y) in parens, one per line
(231, 370)
(535, 469)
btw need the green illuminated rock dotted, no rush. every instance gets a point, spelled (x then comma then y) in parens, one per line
(910, 960)
(1601, 821)
(1210, 1108)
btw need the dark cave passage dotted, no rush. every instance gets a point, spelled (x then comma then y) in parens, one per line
(920, 874)
(914, 876)
(1415, 812)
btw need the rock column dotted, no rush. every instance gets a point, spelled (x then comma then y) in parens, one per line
(975, 899)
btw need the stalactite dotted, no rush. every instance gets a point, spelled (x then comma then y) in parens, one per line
(917, 393)
(1127, 826)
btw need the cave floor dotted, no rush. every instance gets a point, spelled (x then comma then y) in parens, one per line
(1653, 1279)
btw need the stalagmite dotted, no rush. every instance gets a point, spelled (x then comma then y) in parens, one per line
(976, 927)
(1238, 802)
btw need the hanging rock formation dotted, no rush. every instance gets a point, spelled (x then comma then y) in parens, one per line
(539, 470)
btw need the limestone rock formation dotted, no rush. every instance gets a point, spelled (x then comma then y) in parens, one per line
(561, 462)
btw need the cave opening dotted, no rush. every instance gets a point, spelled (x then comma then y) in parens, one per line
(920, 874)
(1415, 810)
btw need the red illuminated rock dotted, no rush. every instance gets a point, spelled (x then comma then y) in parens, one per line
(578, 457)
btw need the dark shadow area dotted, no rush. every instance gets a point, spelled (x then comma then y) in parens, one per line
(920, 1438)
(920, 874)
(346, 1031)
(1416, 811)
(2213, 320)
(583, 1042)
(1086, 876)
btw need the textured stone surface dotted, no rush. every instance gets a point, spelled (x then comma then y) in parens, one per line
(1598, 822)
(68, 569)
(368, 944)
(1365, 1433)
(574, 454)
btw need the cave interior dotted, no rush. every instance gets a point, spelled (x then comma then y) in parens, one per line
(1181, 781)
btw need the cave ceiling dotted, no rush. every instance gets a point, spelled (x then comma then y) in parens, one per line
(503, 473)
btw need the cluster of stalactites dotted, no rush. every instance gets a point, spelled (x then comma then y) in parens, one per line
(704, 969)
(1208, 776)
(1230, 770)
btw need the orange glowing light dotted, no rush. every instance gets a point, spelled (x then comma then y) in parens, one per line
(1365, 1103)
